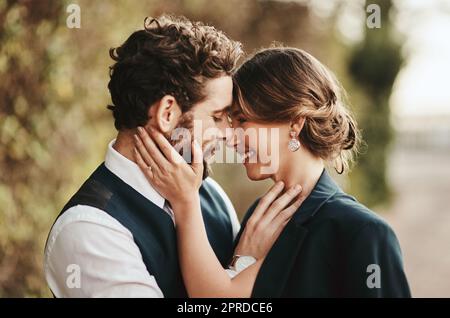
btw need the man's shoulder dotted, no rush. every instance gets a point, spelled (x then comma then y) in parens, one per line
(86, 214)
(213, 185)
(76, 222)
(91, 239)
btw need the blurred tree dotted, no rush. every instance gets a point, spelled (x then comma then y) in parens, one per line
(374, 65)
(27, 121)
(51, 136)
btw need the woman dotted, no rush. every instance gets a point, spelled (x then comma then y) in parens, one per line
(333, 246)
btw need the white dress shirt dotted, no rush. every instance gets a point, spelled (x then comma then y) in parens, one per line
(91, 254)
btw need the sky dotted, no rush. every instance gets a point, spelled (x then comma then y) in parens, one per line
(423, 85)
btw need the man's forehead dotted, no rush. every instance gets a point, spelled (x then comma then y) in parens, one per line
(219, 93)
(214, 103)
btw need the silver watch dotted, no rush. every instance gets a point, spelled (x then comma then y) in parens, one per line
(241, 262)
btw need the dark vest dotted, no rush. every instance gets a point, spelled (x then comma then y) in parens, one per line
(152, 228)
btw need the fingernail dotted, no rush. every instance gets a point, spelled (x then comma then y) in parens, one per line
(140, 129)
(297, 187)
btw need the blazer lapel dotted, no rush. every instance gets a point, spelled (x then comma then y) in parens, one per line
(279, 262)
(274, 272)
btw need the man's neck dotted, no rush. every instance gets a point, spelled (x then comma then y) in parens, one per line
(124, 143)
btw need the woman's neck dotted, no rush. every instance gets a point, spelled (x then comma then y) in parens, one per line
(303, 169)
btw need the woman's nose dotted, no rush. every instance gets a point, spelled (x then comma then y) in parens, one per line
(232, 139)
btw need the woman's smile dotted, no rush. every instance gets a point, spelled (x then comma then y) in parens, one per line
(250, 156)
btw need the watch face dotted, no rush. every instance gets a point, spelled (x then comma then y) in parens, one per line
(243, 262)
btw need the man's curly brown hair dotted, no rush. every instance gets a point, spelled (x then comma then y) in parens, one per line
(171, 55)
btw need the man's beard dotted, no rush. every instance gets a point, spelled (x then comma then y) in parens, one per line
(187, 122)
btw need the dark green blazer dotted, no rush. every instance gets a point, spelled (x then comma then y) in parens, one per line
(328, 249)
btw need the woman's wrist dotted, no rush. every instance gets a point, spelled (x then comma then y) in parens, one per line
(186, 207)
(186, 199)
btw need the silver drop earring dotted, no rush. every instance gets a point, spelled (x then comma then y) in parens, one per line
(294, 143)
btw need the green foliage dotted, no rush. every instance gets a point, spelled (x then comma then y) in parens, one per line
(28, 119)
(43, 133)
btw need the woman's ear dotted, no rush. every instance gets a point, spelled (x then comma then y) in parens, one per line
(297, 125)
(165, 114)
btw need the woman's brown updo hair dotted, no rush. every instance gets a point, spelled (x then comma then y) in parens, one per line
(286, 84)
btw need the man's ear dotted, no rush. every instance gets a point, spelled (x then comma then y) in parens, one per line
(165, 114)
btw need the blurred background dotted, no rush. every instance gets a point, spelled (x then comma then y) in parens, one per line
(54, 125)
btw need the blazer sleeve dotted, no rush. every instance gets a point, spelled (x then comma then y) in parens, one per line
(375, 266)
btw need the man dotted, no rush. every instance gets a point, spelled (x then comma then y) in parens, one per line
(117, 231)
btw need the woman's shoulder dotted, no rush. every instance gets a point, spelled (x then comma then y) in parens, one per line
(347, 207)
(348, 214)
(344, 214)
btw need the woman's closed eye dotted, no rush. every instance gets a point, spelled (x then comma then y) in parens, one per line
(241, 119)
(237, 122)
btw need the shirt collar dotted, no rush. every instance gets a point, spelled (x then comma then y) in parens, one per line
(131, 174)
